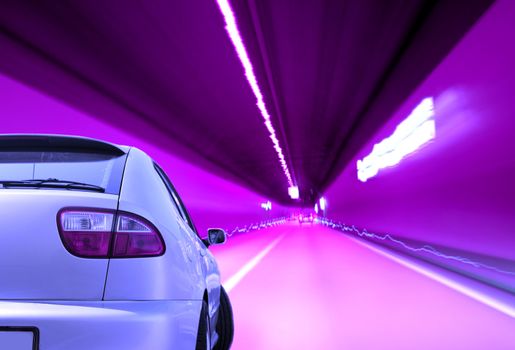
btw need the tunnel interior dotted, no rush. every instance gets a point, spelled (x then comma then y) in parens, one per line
(393, 119)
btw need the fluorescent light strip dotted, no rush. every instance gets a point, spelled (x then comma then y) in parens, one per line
(416, 130)
(237, 41)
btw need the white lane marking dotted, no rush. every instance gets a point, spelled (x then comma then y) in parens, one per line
(500, 303)
(231, 282)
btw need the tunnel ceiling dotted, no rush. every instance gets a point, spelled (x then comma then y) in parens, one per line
(332, 72)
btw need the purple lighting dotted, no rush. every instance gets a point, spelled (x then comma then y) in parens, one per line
(237, 41)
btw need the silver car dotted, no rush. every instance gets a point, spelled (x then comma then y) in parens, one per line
(97, 251)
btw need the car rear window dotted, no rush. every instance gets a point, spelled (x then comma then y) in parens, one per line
(99, 169)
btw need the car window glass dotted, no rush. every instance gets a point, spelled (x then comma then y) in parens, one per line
(102, 170)
(174, 200)
(175, 197)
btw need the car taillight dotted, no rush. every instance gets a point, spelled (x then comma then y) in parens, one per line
(135, 236)
(97, 233)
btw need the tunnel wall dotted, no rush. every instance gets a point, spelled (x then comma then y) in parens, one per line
(458, 191)
(211, 200)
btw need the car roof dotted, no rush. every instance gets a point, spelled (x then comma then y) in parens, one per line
(58, 142)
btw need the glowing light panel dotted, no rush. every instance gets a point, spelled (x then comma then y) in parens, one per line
(416, 130)
(293, 191)
(323, 204)
(266, 205)
(237, 41)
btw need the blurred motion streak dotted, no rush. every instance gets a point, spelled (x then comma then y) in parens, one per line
(413, 132)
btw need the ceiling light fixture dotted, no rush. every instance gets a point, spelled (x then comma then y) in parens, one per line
(266, 205)
(293, 191)
(237, 41)
(413, 132)
(323, 203)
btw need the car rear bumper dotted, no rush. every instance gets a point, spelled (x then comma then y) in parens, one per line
(106, 325)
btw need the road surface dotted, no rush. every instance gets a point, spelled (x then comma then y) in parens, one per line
(310, 287)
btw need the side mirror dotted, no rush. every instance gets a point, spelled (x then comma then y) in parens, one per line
(216, 236)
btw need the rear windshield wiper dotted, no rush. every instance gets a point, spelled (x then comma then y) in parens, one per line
(51, 183)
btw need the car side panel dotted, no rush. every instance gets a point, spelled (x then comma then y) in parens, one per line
(212, 277)
(176, 275)
(213, 284)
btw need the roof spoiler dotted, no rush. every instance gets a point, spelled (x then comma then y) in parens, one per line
(26, 142)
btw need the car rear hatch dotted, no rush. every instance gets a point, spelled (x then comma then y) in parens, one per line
(34, 262)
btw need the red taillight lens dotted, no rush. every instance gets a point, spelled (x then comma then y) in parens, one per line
(96, 233)
(135, 236)
(86, 233)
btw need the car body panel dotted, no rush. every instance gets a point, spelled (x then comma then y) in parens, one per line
(186, 270)
(35, 263)
(100, 303)
(82, 325)
(177, 275)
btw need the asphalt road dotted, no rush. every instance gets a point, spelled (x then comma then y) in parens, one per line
(310, 287)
